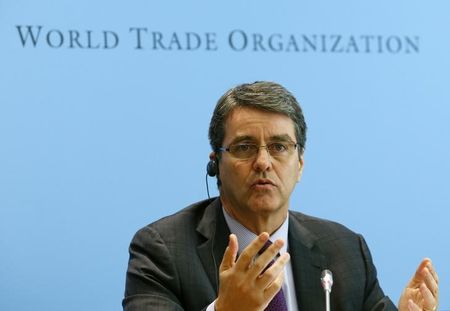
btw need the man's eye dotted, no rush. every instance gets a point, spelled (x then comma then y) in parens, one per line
(243, 147)
(278, 147)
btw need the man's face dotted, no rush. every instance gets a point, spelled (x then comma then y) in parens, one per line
(261, 185)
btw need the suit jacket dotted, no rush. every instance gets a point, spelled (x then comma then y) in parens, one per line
(174, 263)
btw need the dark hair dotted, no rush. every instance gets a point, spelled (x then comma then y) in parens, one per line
(268, 96)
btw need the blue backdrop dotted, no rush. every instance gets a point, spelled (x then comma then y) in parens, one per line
(104, 110)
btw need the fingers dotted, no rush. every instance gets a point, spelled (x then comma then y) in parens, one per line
(248, 255)
(431, 283)
(229, 257)
(258, 263)
(429, 301)
(412, 306)
(272, 274)
(433, 272)
(249, 259)
(430, 287)
(426, 275)
(432, 277)
(274, 287)
(426, 264)
(418, 276)
(426, 282)
(255, 265)
(247, 283)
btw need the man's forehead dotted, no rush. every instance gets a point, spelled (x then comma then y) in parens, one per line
(251, 123)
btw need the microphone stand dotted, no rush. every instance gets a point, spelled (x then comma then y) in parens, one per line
(327, 283)
(327, 300)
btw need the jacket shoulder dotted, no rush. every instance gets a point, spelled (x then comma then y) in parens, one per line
(180, 224)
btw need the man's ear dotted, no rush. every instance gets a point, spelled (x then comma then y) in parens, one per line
(301, 164)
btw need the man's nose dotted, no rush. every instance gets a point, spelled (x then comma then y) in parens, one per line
(263, 160)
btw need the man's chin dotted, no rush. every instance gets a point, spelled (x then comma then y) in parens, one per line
(264, 205)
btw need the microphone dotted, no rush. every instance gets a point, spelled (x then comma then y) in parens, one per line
(327, 282)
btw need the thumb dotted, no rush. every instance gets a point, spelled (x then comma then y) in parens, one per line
(229, 257)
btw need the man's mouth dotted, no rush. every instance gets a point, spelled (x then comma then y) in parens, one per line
(263, 183)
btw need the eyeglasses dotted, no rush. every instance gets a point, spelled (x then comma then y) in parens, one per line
(247, 151)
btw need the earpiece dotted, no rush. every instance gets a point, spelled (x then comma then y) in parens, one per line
(211, 168)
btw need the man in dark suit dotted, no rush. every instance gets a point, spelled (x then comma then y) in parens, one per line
(245, 250)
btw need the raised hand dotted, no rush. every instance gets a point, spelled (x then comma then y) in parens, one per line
(243, 284)
(422, 291)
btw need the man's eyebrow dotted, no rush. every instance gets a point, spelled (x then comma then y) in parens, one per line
(242, 138)
(282, 137)
(248, 138)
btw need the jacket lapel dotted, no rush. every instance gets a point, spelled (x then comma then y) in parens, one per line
(308, 262)
(214, 229)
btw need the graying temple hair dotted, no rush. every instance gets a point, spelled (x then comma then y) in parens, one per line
(267, 96)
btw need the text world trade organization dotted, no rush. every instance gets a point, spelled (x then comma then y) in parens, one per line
(141, 38)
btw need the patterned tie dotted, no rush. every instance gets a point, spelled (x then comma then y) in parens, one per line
(278, 303)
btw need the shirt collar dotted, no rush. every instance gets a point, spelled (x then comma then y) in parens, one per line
(245, 236)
